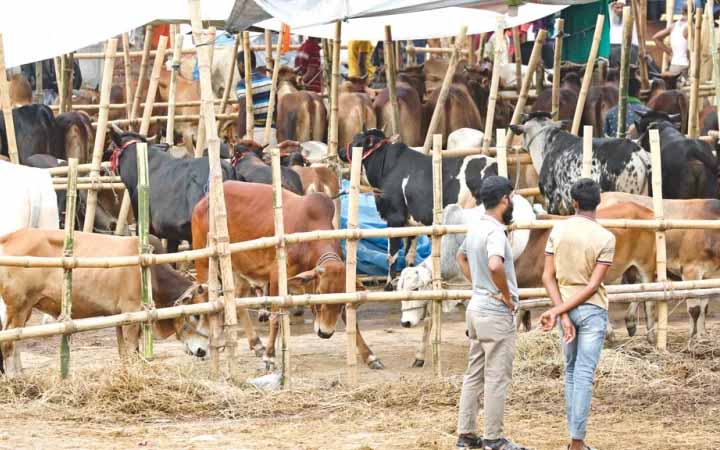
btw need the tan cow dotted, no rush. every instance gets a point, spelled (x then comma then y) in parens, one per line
(185, 90)
(20, 91)
(460, 110)
(301, 115)
(355, 109)
(96, 292)
(410, 113)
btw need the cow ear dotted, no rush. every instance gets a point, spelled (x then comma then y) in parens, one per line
(675, 118)
(640, 113)
(344, 76)
(359, 286)
(302, 279)
(524, 117)
(364, 77)
(518, 129)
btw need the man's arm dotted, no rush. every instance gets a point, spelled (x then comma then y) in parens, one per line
(497, 273)
(549, 280)
(581, 296)
(463, 264)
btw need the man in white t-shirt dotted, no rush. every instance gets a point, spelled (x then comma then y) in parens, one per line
(616, 35)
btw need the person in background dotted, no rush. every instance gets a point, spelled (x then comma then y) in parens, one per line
(49, 81)
(616, 35)
(578, 255)
(485, 257)
(308, 64)
(261, 84)
(359, 53)
(634, 105)
(419, 56)
(678, 50)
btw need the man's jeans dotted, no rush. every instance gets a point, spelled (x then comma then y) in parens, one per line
(581, 358)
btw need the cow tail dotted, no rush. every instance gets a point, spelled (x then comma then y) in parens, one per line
(705, 158)
(599, 125)
(684, 113)
(290, 126)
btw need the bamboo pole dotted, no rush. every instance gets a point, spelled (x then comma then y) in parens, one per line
(66, 303)
(693, 128)
(587, 78)
(177, 48)
(327, 70)
(249, 106)
(559, 34)
(392, 89)
(436, 307)
(152, 87)
(60, 81)
(472, 56)
(273, 96)
(231, 75)
(281, 256)
(217, 197)
(268, 51)
(715, 60)
(502, 154)
(128, 75)
(7, 107)
(143, 71)
(396, 54)
(111, 106)
(88, 180)
(660, 244)
(39, 93)
(690, 26)
(99, 144)
(587, 152)
(517, 58)
(351, 246)
(334, 84)
(494, 82)
(146, 297)
(522, 99)
(410, 55)
(669, 13)
(481, 49)
(183, 118)
(97, 55)
(444, 89)
(640, 8)
(101, 186)
(624, 72)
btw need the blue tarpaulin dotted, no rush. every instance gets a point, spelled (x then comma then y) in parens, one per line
(372, 252)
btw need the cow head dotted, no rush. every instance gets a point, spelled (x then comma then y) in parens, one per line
(370, 141)
(291, 154)
(247, 147)
(656, 120)
(534, 130)
(288, 75)
(191, 330)
(357, 85)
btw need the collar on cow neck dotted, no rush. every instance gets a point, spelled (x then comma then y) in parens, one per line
(326, 257)
(366, 153)
(115, 157)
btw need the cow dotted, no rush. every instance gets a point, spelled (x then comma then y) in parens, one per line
(569, 91)
(479, 78)
(411, 111)
(314, 178)
(20, 91)
(459, 110)
(405, 178)
(29, 201)
(355, 114)
(34, 132)
(74, 130)
(176, 185)
(671, 102)
(415, 77)
(301, 115)
(314, 266)
(96, 292)
(617, 164)
(249, 166)
(689, 168)
(692, 254)
(185, 90)
(434, 71)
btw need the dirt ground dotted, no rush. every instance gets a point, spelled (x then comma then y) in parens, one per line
(643, 399)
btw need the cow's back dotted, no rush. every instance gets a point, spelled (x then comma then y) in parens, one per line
(28, 198)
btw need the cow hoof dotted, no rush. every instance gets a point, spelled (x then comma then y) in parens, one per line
(376, 364)
(418, 363)
(297, 312)
(632, 330)
(269, 366)
(652, 338)
(259, 350)
(389, 287)
(263, 315)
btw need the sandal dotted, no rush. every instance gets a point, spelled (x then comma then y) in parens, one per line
(503, 444)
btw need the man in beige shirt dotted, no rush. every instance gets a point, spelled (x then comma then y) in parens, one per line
(578, 255)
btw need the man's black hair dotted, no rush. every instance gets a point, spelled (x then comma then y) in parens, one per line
(241, 61)
(493, 189)
(586, 192)
(634, 87)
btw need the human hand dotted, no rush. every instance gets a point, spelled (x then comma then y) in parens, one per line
(548, 319)
(568, 329)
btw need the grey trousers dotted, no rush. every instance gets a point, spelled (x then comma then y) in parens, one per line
(489, 372)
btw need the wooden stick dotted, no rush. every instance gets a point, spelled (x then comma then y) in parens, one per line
(472, 56)
(444, 89)
(249, 106)
(660, 245)
(522, 99)
(335, 83)
(587, 152)
(327, 70)
(146, 297)
(690, 25)
(640, 8)
(7, 107)
(128, 75)
(624, 72)
(66, 304)
(517, 57)
(97, 55)
(559, 34)
(281, 256)
(60, 81)
(436, 306)
(39, 93)
(143, 71)
(669, 12)
(183, 118)
(111, 106)
(99, 144)
(587, 78)
(351, 246)
(87, 180)
(502, 154)
(481, 49)
(396, 54)
(170, 130)
(229, 85)
(695, 55)
(410, 53)
(494, 81)
(715, 59)
(392, 89)
(100, 186)
(273, 96)
(152, 87)
(268, 50)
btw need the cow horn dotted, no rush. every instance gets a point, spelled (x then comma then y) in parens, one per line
(364, 77)
(116, 129)
(674, 117)
(524, 117)
(641, 113)
(344, 77)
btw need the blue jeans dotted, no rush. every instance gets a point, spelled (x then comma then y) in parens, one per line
(581, 359)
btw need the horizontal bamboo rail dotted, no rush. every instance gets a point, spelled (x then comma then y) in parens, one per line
(156, 119)
(91, 186)
(185, 51)
(93, 107)
(82, 168)
(99, 179)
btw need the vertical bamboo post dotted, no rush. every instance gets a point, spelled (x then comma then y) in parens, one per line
(39, 94)
(669, 14)
(624, 72)
(99, 145)
(211, 34)
(410, 53)
(273, 96)
(217, 197)
(351, 246)
(392, 89)
(690, 25)
(327, 70)
(494, 83)
(472, 56)
(66, 305)
(152, 87)
(128, 75)
(587, 78)
(249, 107)
(587, 152)
(334, 85)
(640, 8)
(231, 75)
(693, 129)
(68, 79)
(60, 81)
(177, 54)
(396, 54)
(143, 189)
(436, 307)
(715, 59)
(268, 50)
(559, 34)
(481, 49)
(202, 132)
(661, 266)
(517, 58)
(7, 107)
(281, 256)
(501, 153)
(143, 73)
(522, 98)
(444, 89)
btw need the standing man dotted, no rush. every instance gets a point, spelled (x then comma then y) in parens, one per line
(359, 54)
(578, 255)
(307, 64)
(486, 258)
(261, 84)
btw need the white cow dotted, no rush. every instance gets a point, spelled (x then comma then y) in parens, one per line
(465, 138)
(420, 277)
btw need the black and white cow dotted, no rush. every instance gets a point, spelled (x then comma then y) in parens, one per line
(618, 165)
(689, 168)
(404, 177)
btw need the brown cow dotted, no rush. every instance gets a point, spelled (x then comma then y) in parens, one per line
(355, 109)
(301, 115)
(75, 129)
(20, 91)
(671, 102)
(434, 73)
(411, 112)
(460, 110)
(185, 90)
(314, 178)
(96, 292)
(314, 266)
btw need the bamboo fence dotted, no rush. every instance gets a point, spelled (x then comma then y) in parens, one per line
(587, 78)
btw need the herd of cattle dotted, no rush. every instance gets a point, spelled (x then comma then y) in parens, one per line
(400, 176)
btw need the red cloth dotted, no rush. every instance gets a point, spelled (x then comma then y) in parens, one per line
(308, 65)
(160, 30)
